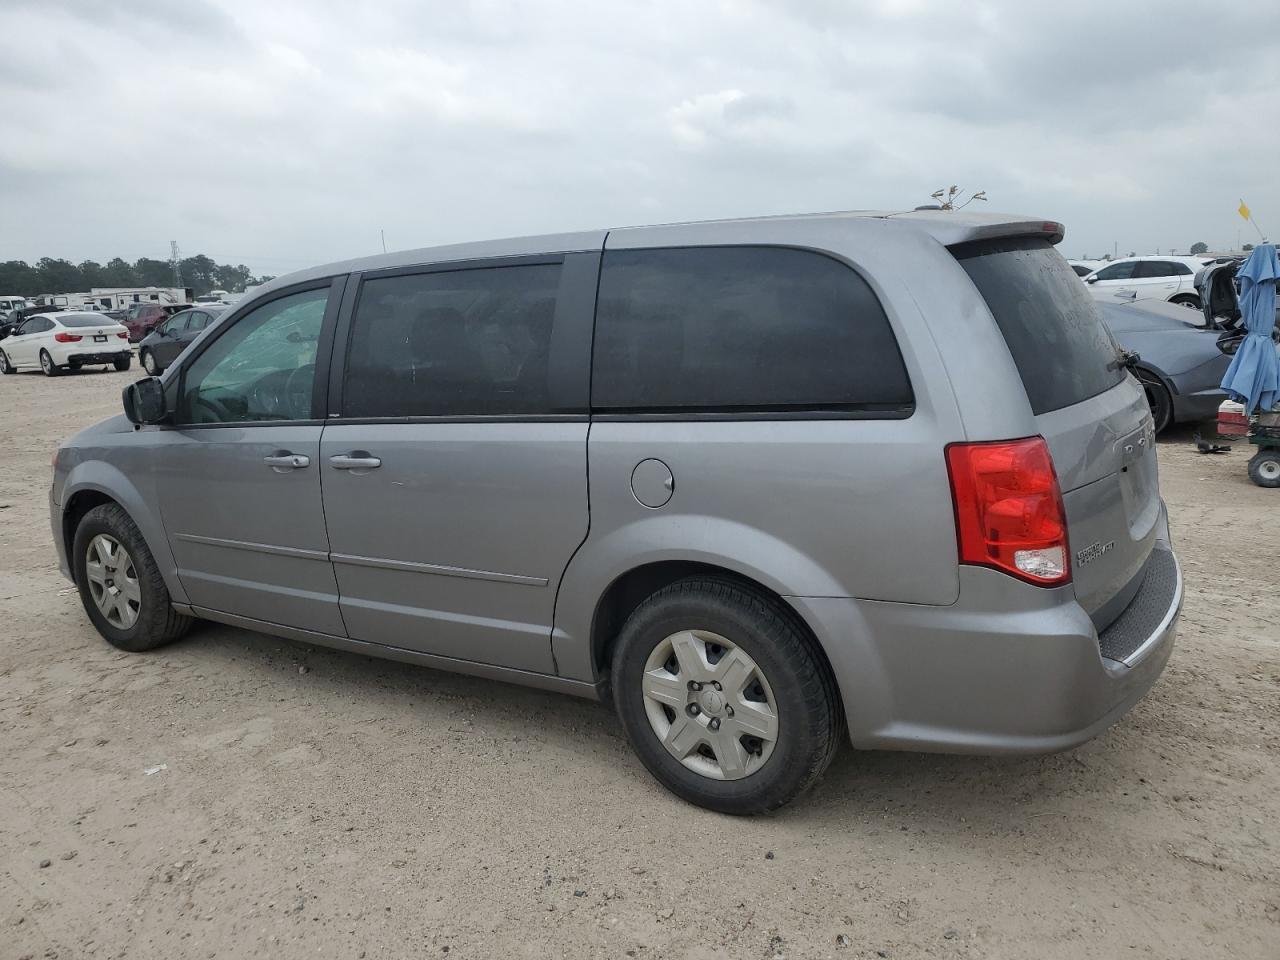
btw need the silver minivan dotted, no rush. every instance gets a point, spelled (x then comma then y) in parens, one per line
(754, 482)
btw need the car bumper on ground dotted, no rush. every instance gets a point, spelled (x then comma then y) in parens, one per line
(1001, 671)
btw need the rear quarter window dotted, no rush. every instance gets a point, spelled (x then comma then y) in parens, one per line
(1063, 351)
(742, 329)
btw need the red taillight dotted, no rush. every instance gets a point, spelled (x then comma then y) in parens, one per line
(67, 337)
(1009, 512)
(123, 335)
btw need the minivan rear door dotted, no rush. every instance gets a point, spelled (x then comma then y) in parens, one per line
(1092, 413)
(454, 462)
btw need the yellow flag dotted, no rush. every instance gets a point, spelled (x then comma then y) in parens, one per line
(1243, 210)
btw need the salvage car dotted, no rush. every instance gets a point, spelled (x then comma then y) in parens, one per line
(52, 342)
(763, 485)
(1148, 278)
(1180, 361)
(162, 345)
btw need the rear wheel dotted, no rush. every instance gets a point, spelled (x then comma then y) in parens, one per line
(1158, 398)
(122, 363)
(47, 365)
(1186, 300)
(5, 365)
(120, 584)
(1264, 468)
(724, 698)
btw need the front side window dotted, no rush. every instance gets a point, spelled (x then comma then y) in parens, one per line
(262, 368)
(471, 342)
(741, 329)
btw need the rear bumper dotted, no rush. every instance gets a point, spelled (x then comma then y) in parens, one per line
(97, 356)
(1010, 668)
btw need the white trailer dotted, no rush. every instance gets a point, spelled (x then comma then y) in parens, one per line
(115, 298)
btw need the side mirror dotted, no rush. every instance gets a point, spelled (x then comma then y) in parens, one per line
(1092, 278)
(144, 401)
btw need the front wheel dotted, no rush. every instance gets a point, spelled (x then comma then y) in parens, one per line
(50, 368)
(724, 697)
(1264, 468)
(120, 584)
(148, 361)
(122, 363)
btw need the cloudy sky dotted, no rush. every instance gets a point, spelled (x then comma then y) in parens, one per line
(286, 133)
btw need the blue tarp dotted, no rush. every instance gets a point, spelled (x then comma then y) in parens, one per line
(1254, 375)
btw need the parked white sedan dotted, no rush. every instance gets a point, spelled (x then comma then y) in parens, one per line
(1148, 278)
(53, 341)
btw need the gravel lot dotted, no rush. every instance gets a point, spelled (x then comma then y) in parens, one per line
(315, 803)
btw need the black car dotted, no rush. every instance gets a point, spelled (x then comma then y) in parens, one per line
(162, 345)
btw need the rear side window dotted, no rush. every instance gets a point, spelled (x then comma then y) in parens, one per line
(740, 329)
(453, 343)
(1063, 351)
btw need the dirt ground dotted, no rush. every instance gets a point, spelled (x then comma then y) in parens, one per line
(315, 803)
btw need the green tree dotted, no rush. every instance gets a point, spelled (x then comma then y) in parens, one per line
(1199, 247)
(199, 273)
(90, 274)
(19, 278)
(57, 276)
(153, 273)
(1247, 247)
(118, 273)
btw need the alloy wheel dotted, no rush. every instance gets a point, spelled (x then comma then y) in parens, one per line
(113, 581)
(710, 705)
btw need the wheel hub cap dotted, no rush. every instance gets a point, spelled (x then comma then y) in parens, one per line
(113, 581)
(710, 705)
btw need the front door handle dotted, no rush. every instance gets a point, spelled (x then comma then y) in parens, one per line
(283, 462)
(358, 460)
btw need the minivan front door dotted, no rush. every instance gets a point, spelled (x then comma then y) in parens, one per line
(455, 467)
(239, 476)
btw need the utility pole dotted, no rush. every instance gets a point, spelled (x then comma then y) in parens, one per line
(175, 261)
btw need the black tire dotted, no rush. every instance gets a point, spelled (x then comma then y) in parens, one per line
(122, 363)
(1264, 468)
(150, 363)
(5, 366)
(1158, 398)
(810, 721)
(47, 366)
(1186, 300)
(157, 623)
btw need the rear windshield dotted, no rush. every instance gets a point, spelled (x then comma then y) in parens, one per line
(85, 320)
(1063, 351)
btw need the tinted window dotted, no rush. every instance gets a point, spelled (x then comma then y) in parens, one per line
(740, 329)
(1149, 269)
(1118, 271)
(262, 368)
(452, 343)
(1180, 270)
(1081, 270)
(198, 321)
(84, 320)
(1063, 351)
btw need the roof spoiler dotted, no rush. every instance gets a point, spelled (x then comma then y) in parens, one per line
(950, 227)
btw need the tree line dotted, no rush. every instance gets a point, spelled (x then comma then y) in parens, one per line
(52, 276)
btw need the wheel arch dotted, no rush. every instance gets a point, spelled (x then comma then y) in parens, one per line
(93, 483)
(630, 589)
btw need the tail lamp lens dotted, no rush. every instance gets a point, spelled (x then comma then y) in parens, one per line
(1009, 512)
(123, 336)
(67, 337)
